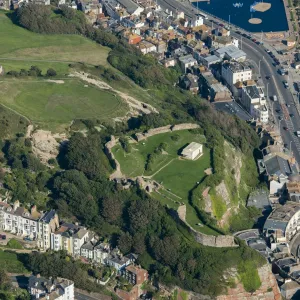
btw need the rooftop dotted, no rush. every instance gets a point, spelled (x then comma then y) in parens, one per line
(232, 51)
(187, 59)
(252, 91)
(191, 148)
(277, 165)
(129, 5)
(236, 67)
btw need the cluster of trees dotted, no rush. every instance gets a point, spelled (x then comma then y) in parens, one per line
(7, 292)
(47, 264)
(155, 156)
(34, 71)
(29, 177)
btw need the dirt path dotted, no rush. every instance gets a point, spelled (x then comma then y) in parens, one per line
(136, 106)
(159, 169)
(16, 112)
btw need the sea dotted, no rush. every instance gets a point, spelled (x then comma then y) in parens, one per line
(240, 11)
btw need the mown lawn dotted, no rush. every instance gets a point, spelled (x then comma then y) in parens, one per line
(51, 105)
(10, 263)
(133, 164)
(21, 44)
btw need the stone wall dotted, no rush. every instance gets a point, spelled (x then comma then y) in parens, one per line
(108, 146)
(204, 239)
(164, 129)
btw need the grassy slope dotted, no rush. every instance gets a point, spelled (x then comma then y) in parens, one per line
(21, 44)
(10, 263)
(51, 104)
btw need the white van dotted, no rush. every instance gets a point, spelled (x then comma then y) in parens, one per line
(275, 98)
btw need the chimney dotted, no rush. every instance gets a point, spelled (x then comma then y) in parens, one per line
(16, 204)
(33, 209)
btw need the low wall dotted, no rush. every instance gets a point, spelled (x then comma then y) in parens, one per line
(204, 239)
(164, 129)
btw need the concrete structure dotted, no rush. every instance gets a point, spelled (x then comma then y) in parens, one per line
(186, 62)
(283, 223)
(234, 72)
(192, 151)
(231, 52)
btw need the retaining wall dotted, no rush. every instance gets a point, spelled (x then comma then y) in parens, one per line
(164, 129)
(204, 239)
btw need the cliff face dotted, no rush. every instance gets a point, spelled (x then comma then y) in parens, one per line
(268, 291)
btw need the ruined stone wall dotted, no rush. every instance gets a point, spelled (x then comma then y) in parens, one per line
(204, 239)
(108, 146)
(164, 129)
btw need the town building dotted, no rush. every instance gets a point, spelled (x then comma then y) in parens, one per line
(187, 62)
(233, 72)
(54, 289)
(135, 274)
(69, 237)
(192, 151)
(19, 220)
(231, 52)
(189, 82)
(47, 224)
(283, 223)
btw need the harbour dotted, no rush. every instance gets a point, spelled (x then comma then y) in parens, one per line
(250, 15)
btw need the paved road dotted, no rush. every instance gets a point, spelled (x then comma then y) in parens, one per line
(267, 68)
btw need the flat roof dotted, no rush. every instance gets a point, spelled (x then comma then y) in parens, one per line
(233, 108)
(193, 146)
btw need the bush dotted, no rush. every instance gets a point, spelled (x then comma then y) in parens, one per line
(14, 244)
(51, 72)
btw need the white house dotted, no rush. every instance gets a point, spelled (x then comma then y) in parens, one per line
(19, 220)
(54, 289)
(233, 72)
(192, 151)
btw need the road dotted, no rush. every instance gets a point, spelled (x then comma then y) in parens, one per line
(275, 83)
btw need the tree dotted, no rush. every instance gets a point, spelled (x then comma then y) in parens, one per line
(51, 72)
(35, 71)
(125, 243)
(111, 209)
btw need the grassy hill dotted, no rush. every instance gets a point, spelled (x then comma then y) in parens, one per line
(52, 106)
(19, 44)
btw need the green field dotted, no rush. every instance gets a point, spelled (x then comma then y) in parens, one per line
(22, 45)
(10, 263)
(53, 105)
(177, 176)
(133, 164)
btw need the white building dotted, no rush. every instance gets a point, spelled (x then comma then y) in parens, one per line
(198, 21)
(234, 72)
(54, 289)
(186, 62)
(260, 112)
(283, 223)
(19, 220)
(69, 237)
(47, 224)
(231, 52)
(192, 151)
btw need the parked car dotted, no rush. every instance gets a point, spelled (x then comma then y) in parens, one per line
(27, 238)
(286, 84)
(268, 77)
(285, 128)
(275, 98)
(292, 115)
(2, 236)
